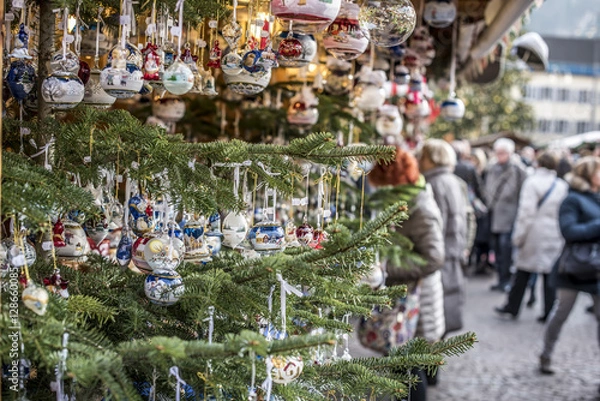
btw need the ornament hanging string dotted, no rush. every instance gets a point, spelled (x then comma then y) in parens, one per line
(61, 368)
(269, 336)
(267, 385)
(179, 30)
(286, 288)
(174, 371)
(252, 389)
(453, 59)
(338, 183)
(98, 25)
(362, 197)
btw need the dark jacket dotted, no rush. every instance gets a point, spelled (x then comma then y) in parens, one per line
(579, 219)
(466, 170)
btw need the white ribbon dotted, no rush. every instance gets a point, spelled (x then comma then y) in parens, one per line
(268, 335)
(174, 371)
(179, 7)
(211, 323)
(267, 385)
(286, 288)
(61, 368)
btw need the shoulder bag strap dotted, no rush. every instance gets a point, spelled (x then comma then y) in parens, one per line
(547, 194)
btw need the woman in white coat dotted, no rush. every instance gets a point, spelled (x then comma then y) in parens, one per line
(536, 235)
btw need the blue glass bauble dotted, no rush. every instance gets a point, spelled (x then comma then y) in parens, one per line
(20, 79)
(164, 287)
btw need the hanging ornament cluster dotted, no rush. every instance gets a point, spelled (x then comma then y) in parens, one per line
(344, 39)
(303, 111)
(369, 93)
(439, 13)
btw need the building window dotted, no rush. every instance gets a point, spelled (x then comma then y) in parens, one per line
(586, 96)
(582, 126)
(563, 95)
(546, 93)
(545, 126)
(561, 126)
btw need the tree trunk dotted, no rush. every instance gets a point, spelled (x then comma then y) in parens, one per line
(46, 50)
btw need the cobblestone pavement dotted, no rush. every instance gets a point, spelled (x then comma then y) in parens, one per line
(504, 363)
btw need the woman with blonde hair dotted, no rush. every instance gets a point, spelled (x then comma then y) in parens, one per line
(579, 221)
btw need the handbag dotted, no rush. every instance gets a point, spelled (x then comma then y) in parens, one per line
(387, 328)
(580, 259)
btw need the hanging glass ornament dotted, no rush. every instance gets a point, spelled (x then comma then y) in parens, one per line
(21, 79)
(125, 248)
(67, 61)
(4, 265)
(232, 33)
(214, 241)
(141, 215)
(369, 94)
(439, 13)
(94, 95)
(121, 79)
(196, 248)
(90, 37)
(164, 252)
(231, 64)
(267, 236)
(235, 227)
(128, 52)
(97, 228)
(137, 253)
(375, 278)
(84, 72)
(209, 88)
(178, 79)
(309, 16)
(402, 75)
(21, 44)
(319, 236)
(291, 241)
(452, 109)
(247, 83)
(286, 369)
(305, 233)
(214, 59)
(387, 23)
(17, 256)
(303, 110)
(389, 121)
(76, 246)
(416, 104)
(35, 298)
(294, 49)
(170, 109)
(62, 90)
(164, 287)
(343, 39)
(153, 66)
(56, 284)
(337, 80)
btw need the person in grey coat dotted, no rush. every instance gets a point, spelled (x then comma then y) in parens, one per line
(502, 188)
(436, 161)
(537, 236)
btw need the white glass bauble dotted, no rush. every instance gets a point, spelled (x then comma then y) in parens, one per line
(343, 39)
(169, 108)
(76, 242)
(452, 109)
(137, 254)
(368, 96)
(235, 227)
(94, 95)
(387, 23)
(62, 90)
(164, 252)
(130, 53)
(35, 298)
(307, 49)
(286, 369)
(309, 16)
(122, 82)
(164, 287)
(231, 64)
(267, 236)
(247, 83)
(17, 256)
(65, 62)
(389, 121)
(178, 79)
(439, 13)
(375, 277)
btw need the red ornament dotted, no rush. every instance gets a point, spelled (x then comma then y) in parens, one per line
(319, 237)
(265, 36)
(56, 284)
(305, 233)
(152, 62)
(57, 234)
(215, 56)
(84, 71)
(290, 48)
(187, 56)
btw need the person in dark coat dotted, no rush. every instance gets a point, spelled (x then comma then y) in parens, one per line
(579, 220)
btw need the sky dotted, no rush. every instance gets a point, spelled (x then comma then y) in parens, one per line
(566, 18)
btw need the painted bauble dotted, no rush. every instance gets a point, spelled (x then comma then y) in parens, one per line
(309, 16)
(170, 109)
(164, 253)
(84, 72)
(36, 299)
(337, 80)
(141, 216)
(375, 277)
(295, 49)
(21, 79)
(389, 121)
(244, 83)
(343, 39)
(94, 95)
(286, 369)
(231, 64)
(76, 243)
(178, 79)
(97, 229)
(196, 248)
(164, 287)
(125, 249)
(319, 236)
(439, 13)
(122, 80)
(17, 256)
(402, 75)
(452, 109)
(389, 22)
(267, 236)
(152, 67)
(130, 53)
(235, 227)
(290, 235)
(214, 241)
(368, 96)
(304, 233)
(303, 111)
(62, 90)
(137, 254)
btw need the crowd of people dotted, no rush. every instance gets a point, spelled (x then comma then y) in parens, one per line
(508, 213)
